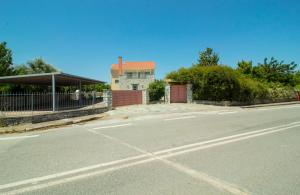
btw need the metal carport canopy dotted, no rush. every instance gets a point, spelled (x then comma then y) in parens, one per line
(51, 79)
(61, 79)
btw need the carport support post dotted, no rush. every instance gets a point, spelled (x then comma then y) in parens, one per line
(167, 93)
(53, 93)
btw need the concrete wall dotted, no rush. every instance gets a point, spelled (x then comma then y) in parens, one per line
(10, 121)
(114, 85)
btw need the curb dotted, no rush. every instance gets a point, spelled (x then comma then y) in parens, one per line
(272, 104)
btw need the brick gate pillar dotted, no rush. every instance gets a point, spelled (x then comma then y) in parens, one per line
(167, 94)
(189, 93)
(107, 98)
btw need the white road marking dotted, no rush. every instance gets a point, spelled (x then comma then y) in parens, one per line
(223, 138)
(19, 137)
(226, 142)
(230, 112)
(113, 126)
(66, 173)
(213, 142)
(215, 182)
(179, 118)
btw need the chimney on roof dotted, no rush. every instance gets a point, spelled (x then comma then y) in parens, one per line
(120, 65)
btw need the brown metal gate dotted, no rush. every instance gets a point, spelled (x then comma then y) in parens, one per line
(126, 97)
(178, 94)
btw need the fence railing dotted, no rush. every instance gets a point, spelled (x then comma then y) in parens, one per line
(39, 103)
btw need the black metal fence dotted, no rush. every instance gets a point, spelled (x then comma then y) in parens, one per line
(37, 103)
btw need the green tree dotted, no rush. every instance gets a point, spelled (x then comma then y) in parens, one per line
(275, 71)
(156, 90)
(97, 87)
(6, 60)
(22, 70)
(208, 58)
(38, 65)
(245, 67)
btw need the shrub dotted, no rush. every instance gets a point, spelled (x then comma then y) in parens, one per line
(156, 90)
(222, 83)
(215, 83)
(251, 90)
(277, 91)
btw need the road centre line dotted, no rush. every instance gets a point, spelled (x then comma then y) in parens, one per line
(227, 141)
(223, 138)
(113, 126)
(18, 137)
(215, 182)
(179, 118)
(74, 171)
(117, 167)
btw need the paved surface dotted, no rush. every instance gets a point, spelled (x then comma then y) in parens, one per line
(217, 151)
(138, 110)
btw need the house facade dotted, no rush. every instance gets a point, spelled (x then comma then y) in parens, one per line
(131, 75)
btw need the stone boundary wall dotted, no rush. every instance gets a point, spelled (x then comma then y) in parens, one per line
(10, 121)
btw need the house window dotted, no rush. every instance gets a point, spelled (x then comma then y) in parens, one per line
(147, 75)
(128, 75)
(116, 81)
(135, 86)
(141, 75)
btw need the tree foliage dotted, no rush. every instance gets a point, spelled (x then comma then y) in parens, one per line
(208, 58)
(6, 61)
(35, 66)
(156, 90)
(275, 71)
(271, 79)
(245, 67)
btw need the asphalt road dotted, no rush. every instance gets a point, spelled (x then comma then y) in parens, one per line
(233, 151)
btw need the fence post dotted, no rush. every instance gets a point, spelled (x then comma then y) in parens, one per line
(189, 93)
(107, 98)
(167, 94)
(31, 104)
(53, 93)
(94, 94)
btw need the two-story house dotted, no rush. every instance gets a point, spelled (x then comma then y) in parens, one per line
(131, 75)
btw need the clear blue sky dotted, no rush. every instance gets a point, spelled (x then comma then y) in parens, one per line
(85, 37)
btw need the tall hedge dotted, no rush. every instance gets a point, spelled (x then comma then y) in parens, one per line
(222, 83)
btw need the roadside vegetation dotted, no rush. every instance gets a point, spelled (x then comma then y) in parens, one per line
(38, 65)
(157, 90)
(270, 80)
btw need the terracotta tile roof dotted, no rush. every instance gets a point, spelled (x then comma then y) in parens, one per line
(134, 66)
